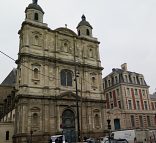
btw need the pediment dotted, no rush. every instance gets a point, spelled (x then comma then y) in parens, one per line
(116, 110)
(68, 95)
(66, 31)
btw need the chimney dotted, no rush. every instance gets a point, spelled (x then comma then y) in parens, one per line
(124, 66)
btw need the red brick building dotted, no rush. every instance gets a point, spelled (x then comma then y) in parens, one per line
(128, 101)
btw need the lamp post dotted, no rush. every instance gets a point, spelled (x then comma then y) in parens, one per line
(77, 106)
(109, 130)
(31, 132)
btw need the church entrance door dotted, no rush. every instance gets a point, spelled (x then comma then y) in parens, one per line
(68, 121)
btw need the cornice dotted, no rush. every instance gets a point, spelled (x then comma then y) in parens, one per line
(126, 84)
(55, 31)
(55, 60)
(57, 98)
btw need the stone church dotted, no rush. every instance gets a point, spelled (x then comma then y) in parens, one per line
(59, 81)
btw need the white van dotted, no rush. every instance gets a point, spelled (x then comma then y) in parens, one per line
(58, 139)
(129, 135)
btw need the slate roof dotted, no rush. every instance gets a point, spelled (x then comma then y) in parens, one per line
(121, 78)
(10, 79)
(153, 96)
(84, 22)
(34, 6)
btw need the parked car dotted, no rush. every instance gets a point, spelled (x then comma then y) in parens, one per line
(106, 140)
(121, 141)
(90, 140)
(103, 139)
(57, 139)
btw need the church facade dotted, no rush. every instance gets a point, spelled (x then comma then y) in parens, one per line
(59, 81)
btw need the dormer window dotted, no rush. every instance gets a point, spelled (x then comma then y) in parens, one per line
(109, 83)
(141, 81)
(134, 80)
(36, 16)
(116, 79)
(126, 78)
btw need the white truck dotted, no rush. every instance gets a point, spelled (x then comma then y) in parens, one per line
(129, 135)
(137, 135)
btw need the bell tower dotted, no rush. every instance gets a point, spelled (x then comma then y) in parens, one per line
(34, 12)
(84, 28)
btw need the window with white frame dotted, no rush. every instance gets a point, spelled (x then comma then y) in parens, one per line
(143, 92)
(116, 79)
(117, 92)
(149, 121)
(109, 83)
(126, 78)
(141, 121)
(141, 81)
(134, 79)
(138, 105)
(110, 94)
(132, 121)
(145, 105)
(119, 104)
(128, 91)
(136, 91)
(129, 104)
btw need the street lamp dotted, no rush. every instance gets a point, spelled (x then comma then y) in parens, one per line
(77, 106)
(109, 130)
(31, 132)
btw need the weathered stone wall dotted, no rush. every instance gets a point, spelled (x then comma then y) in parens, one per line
(6, 127)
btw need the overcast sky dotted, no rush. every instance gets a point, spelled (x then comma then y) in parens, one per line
(125, 28)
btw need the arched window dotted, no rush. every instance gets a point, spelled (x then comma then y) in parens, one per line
(97, 120)
(36, 72)
(36, 16)
(66, 78)
(7, 135)
(87, 32)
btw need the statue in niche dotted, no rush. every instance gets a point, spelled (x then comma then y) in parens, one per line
(65, 47)
(91, 53)
(36, 40)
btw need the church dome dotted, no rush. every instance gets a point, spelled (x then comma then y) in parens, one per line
(84, 22)
(34, 6)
